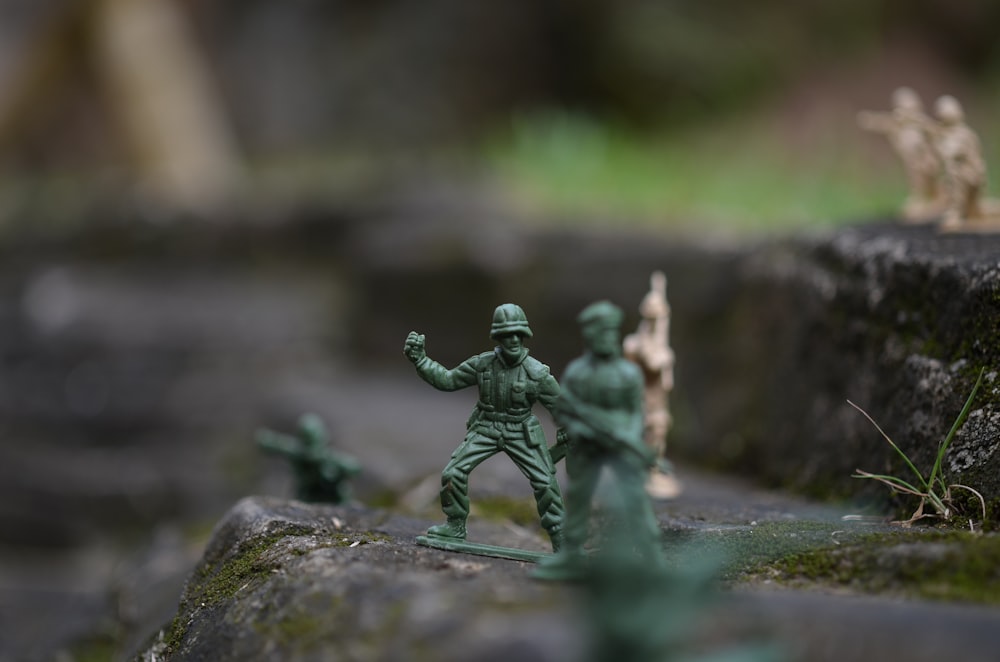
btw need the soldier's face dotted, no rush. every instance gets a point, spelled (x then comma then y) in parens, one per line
(510, 342)
(602, 339)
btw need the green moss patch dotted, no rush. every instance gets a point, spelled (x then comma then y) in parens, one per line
(215, 582)
(743, 548)
(941, 566)
(523, 512)
(934, 564)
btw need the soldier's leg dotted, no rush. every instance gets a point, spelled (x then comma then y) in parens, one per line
(636, 506)
(455, 483)
(584, 471)
(972, 210)
(953, 196)
(570, 563)
(536, 465)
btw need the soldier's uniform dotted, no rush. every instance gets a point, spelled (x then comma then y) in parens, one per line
(609, 394)
(502, 421)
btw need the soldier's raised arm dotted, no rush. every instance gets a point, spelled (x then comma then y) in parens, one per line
(434, 373)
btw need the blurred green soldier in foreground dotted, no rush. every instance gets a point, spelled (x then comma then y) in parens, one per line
(601, 409)
(509, 383)
(321, 474)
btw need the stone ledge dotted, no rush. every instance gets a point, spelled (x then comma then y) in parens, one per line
(897, 319)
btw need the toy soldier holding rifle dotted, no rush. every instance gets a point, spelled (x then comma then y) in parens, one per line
(601, 409)
(321, 473)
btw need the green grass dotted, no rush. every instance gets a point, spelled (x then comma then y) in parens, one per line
(751, 174)
(931, 490)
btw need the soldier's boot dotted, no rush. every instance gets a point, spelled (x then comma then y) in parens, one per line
(454, 503)
(453, 528)
(568, 564)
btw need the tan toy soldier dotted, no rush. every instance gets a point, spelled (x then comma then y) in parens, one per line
(649, 347)
(906, 128)
(965, 170)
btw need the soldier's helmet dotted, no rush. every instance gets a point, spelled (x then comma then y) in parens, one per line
(949, 110)
(906, 98)
(509, 318)
(312, 430)
(601, 314)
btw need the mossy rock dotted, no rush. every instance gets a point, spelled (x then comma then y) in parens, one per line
(952, 566)
(285, 580)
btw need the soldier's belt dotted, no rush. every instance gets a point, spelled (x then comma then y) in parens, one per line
(503, 417)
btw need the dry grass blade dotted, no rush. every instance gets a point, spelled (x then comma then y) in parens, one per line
(896, 484)
(982, 501)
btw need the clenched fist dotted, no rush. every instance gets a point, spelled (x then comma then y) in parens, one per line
(414, 347)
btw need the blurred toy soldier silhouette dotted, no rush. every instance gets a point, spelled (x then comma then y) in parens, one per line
(649, 348)
(965, 170)
(509, 383)
(601, 409)
(321, 474)
(906, 128)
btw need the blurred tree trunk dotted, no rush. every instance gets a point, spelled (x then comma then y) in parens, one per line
(157, 102)
(165, 101)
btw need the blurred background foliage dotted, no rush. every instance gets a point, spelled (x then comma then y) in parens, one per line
(721, 114)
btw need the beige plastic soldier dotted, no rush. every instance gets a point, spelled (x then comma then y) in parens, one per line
(965, 170)
(649, 347)
(907, 129)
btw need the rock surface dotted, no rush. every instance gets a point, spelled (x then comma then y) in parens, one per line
(898, 319)
(287, 581)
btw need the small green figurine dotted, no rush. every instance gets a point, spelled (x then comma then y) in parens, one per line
(321, 474)
(510, 382)
(601, 409)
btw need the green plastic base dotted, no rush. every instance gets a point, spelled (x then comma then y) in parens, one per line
(456, 545)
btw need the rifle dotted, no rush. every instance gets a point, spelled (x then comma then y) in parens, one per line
(569, 405)
(559, 449)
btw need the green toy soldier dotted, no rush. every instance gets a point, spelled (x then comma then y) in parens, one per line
(321, 474)
(509, 383)
(601, 409)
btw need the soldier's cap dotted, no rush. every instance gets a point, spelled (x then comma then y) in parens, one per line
(602, 313)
